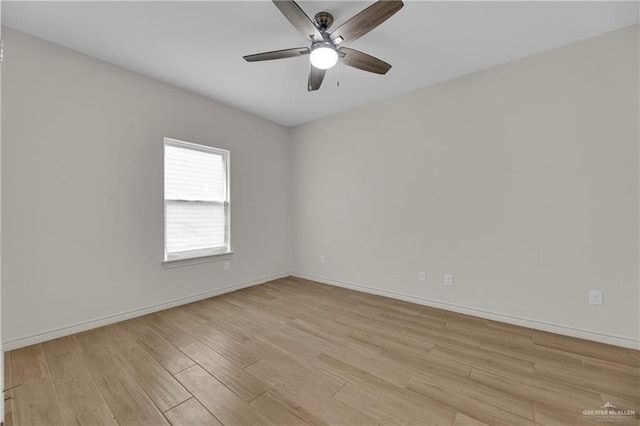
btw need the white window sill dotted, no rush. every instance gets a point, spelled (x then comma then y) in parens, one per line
(177, 263)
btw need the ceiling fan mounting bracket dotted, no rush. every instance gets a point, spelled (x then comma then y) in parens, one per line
(324, 20)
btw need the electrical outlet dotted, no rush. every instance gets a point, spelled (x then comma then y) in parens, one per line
(323, 259)
(595, 297)
(448, 280)
(422, 276)
(227, 265)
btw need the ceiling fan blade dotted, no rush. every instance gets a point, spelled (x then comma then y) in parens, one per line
(316, 76)
(277, 54)
(366, 20)
(299, 19)
(356, 59)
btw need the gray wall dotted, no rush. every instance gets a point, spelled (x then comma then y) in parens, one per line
(82, 190)
(521, 180)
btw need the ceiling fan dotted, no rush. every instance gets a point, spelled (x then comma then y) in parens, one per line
(326, 48)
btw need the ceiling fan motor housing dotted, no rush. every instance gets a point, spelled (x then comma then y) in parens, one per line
(324, 20)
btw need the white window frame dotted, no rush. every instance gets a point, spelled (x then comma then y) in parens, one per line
(206, 252)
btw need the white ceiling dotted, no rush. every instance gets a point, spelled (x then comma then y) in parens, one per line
(199, 46)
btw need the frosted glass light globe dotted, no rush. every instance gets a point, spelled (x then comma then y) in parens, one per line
(323, 57)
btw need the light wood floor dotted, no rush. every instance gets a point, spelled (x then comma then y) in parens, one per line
(295, 352)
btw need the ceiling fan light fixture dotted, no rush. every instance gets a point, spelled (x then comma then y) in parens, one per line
(324, 52)
(323, 56)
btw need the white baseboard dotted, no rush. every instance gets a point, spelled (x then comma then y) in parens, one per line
(509, 319)
(110, 319)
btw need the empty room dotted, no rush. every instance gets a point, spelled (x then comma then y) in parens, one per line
(320, 212)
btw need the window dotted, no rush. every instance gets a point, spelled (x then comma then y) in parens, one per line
(196, 200)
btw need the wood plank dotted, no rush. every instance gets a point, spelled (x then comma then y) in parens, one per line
(268, 312)
(308, 387)
(229, 374)
(8, 394)
(393, 344)
(586, 348)
(388, 371)
(282, 411)
(244, 298)
(417, 365)
(385, 303)
(58, 346)
(320, 340)
(160, 349)
(320, 323)
(7, 370)
(296, 346)
(512, 328)
(241, 321)
(387, 407)
(472, 406)
(554, 416)
(289, 378)
(191, 413)
(347, 370)
(158, 384)
(533, 353)
(116, 338)
(483, 358)
(221, 322)
(264, 350)
(28, 364)
(612, 367)
(362, 322)
(382, 394)
(339, 340)
(422, 311)
(487, 334)
(218, 399)
(220, 343)
(124, 397)
(168, 329)
(161, 387)
(441, 337)
(538, 390)
(34, 402)
(261, 292)
(78, 396)
(8, 416)
(400, 319)
(463, 387)
(294, 366)
(462, 420)
(127, 401)
(626, 387)
(310, 390)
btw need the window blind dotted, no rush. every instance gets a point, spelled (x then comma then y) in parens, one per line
(196, 200)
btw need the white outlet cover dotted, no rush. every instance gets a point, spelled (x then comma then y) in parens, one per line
(595, 297)
(227, 265)
(323, 259)
(448, 280)
(422, 276)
